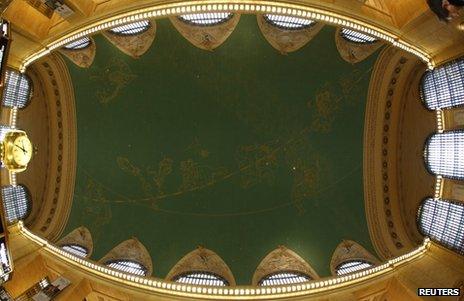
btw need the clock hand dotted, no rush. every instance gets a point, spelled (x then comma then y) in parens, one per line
(22, 143)
(21, 148)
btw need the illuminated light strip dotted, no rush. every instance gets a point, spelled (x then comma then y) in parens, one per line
(438, 187)
(244, 6)
(231, 293)
(13, 117)
(12, 178)
(440, 121)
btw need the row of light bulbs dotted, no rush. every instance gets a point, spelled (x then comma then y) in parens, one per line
(439, 179)
(266, 7)
(440, 121)
(438, 187)
(12, 123)
(172, 288)
(13, 117)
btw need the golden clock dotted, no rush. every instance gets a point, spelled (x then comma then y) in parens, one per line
(16, 150)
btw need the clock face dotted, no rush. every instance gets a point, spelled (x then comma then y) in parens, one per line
(22, 150)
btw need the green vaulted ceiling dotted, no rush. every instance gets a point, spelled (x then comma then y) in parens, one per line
(240, 150)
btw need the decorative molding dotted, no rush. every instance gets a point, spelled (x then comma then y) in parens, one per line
(377, 195)
(350, 250)
(286, 41)
(80, 236)
(133, 45)
(206, 37)
(205, 260)
(451, 119)
(81, 57)
(131, 249)
(390, 225)
(282, 259)
(354, 52)
(451, 189)
(50, 121)
(165, 9)
(164, 289)
(414, 124)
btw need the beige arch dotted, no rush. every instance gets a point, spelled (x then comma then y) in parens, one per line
(50, 119)
(354, 52)
(131, 249)
(350, 250)
(80, 236)
(286, 41)
(81, 57)
(205, 260)
(133, 45)
(206, 37)
(282, 259)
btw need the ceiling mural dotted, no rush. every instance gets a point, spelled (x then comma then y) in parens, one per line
(240, 149)
(110, 78)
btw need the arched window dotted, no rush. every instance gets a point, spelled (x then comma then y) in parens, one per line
(356, 37)
(444, 154)
(17, 89)
(443, 222)
(127, 266)
(201, 278)
(4, 257)
(443, 87)
(288, 22)
(206, 19)
(78, 44)
(16, 202)
(352, 266)
(284, 277)
(131, 28)
(75, 249)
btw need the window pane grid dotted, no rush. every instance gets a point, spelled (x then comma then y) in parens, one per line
(288, 22)
(282, 278)
(356, 36)
(4, 130)
(201, 278)
(443, 87)
(127, 266)
(206, 19)
(16, 202)
(78, 44)
(4, 34)
(352, 266)
(2, 52)
(77, 250)
(44, 282)
(17, 90)
(131, 28)
(443, 222)
(6, 267)
(445, 154)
